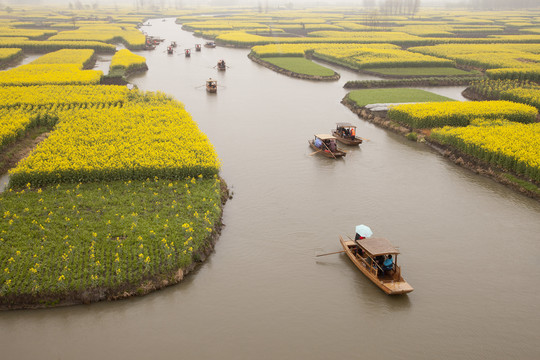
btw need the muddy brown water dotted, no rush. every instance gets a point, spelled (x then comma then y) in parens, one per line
(469, 245)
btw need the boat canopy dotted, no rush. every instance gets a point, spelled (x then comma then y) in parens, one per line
(377, 246)
(325, 137)
(345, 124)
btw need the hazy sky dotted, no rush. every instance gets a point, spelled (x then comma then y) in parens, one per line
(272, 3)
(217, 2)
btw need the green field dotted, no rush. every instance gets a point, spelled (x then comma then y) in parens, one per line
(421, 71)
(364, 97)
(58, 242)
(300, 65)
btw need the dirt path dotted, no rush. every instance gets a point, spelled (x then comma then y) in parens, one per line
(13, 153)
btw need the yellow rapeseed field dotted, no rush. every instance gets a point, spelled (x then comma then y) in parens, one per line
(156, 137)
(514, 146)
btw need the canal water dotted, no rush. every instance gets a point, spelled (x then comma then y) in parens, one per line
(469, 246)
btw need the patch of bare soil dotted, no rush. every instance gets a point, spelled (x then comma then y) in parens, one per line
(11, 154)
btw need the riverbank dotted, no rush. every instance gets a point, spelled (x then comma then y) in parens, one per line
(11, 61)
(290, 73)
(477, 166)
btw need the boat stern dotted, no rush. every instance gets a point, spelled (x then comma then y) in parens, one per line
(398, 287)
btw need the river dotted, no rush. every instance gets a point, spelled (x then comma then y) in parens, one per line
(469, 246)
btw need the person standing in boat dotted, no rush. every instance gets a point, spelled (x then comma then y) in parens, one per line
(353, 133)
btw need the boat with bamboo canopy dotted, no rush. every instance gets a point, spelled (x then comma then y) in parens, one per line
(211, 85)
(346, 133)
(325, 144)
(371, 255)
(221, 65)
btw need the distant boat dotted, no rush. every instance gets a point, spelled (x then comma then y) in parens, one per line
(211, 85)
(221, 65)
(197, 47)
(210, 44)
(187, 52)
(346, 133)
(325, 144)
(368, 254)
(170, 50)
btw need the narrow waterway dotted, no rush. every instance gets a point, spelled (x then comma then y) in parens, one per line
(469, 246)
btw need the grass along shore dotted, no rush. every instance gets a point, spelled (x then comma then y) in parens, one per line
(297, 67)
(300, 65)
(364, 97)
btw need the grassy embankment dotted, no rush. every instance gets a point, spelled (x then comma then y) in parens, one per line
(400, 95)
(300, 65)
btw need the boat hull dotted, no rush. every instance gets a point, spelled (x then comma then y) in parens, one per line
(336, 154)
(392, 287)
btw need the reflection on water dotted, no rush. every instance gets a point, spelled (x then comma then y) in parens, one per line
(27, 59)
(468, 245)
(103, 62)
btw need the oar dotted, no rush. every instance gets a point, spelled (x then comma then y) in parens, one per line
(363, 138)
(337, 252)
(315, 152)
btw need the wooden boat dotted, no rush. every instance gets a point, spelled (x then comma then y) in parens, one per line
(210, 44)
(326, 145)
(170, 50)
(345, 133)
(156, 40)
(364, 254)
(187, 52)
(221, 65)
(197, 47)
(211, 86)
(173, 44)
